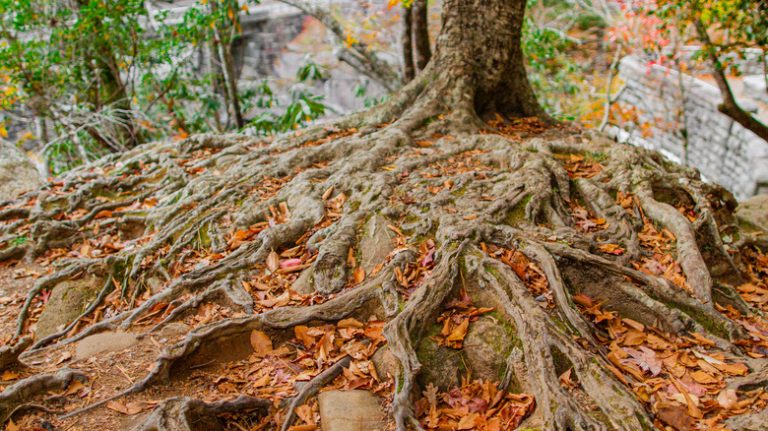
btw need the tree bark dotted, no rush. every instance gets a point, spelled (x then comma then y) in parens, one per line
(223, 38)
(406, 45)
(111, 91)
(478, 64)
(422, 50)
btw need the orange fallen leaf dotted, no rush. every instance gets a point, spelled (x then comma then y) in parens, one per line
(261, 343)
(358, 275)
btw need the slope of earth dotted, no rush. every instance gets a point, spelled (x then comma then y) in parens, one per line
(223, 282)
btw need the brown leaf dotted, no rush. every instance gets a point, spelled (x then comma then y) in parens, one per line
(359, 275)
(261, 343)
(103, 214)
(350, 322)
(273, 261)
(469, 421)
(9, 375)
(566, 381)
(727, 398)
(129, 409)
(676, 416)
(458, 332)
(302, 334)
(703, 378)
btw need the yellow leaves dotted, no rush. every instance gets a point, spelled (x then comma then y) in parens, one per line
(3, 131)
(260, 343)
(349, 39)
(609, 248)
(9, 375)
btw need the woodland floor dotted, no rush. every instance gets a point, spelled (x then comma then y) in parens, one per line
(679, 374)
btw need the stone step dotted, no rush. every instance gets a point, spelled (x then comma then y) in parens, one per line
(355, 410)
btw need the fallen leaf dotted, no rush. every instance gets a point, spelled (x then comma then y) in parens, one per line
(261, 343)
(9, 375)
(468, 422)
(703, 378)
(290, 263)
(128, 409)
(103, 214)
(273, 261)
(676, 416)
(359, 275)
(727, 398)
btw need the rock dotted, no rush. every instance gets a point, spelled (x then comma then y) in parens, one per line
(17, 173)
(376, 242)
(440, 365)
(67, 301)
(754, 211)
(303, 284)
(351, 411)
(486, 348)
(385, 362)
(104, 342)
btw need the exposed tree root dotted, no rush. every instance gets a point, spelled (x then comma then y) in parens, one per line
(24, 391)
(186, 224)
(311, 389)
(188, 414)
(9, 354)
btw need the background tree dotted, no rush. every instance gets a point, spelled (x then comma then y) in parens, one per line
(725, 31)
(102, 76)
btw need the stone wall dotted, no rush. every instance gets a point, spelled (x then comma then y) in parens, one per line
(677, 115)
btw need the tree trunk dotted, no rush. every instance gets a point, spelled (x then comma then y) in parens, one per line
(479, 56)
(422, 50)
(475, 274)
(406, 45)
(111, 91)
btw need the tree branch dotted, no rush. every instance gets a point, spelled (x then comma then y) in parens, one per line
(358, 55)
(729, 106)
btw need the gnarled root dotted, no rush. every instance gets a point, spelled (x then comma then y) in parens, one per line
(188, 414)
(22, 392)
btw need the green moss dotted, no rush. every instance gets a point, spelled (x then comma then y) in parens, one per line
(561, 362)
(411, 218)
(598, 157)
(517, 213)
(460, 191)
(714, 327)
(203, 237)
